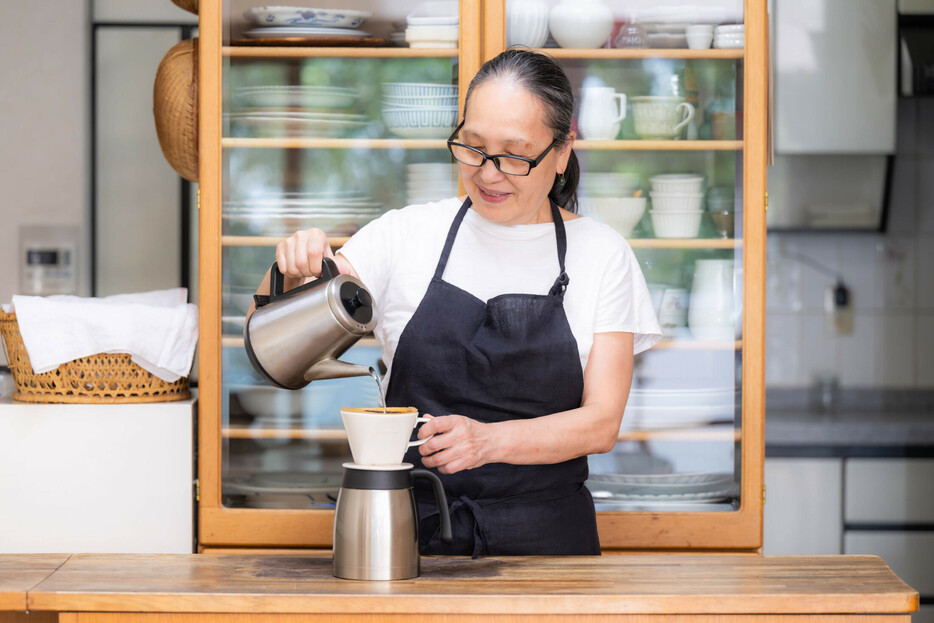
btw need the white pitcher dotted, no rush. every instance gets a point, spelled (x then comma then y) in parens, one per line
(602, 112)
(712, 313)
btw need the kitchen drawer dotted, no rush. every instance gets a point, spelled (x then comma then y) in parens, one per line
(803, 513)
(889, 491)
(909, 554)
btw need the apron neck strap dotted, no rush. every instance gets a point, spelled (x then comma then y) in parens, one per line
(561, 236)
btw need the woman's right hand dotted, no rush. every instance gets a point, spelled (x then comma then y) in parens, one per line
(299, 256)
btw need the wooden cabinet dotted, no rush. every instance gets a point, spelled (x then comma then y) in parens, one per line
(731, 156)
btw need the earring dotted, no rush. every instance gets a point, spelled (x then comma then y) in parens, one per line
(561, 180)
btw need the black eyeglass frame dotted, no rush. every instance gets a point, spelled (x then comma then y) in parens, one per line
(532, 162)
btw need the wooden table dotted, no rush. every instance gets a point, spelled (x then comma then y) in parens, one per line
(98, 588)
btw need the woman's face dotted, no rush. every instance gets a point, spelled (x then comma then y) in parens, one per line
(504, 118)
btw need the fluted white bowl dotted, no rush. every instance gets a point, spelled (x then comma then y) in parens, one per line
(676, 224)
(526, 23)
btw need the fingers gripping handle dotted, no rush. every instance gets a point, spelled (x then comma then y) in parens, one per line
(446, 534)
(329, 270)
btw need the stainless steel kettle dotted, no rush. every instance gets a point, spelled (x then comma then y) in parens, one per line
(376, 523)
(295, 337)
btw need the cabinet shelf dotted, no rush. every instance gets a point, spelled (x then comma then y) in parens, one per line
(237, 51)
(437, 143)
(236, 341)
(640, 53)
(717, 433)
(334, 143)
(635, 243)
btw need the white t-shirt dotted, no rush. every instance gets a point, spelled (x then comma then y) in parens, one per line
(396, 255)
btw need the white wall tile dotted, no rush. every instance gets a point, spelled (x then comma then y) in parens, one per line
(906, 131)
(903, 202)
(881, 352)
(819, 350)
(925, 345)
(880, 272)
(782, 350)
(925, 273)
(782, 287)
(926, 194)
(801, 253)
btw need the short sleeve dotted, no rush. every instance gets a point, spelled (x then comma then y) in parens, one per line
(624, 301)
(370, 252)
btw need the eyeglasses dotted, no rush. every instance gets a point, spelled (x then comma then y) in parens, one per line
(510, 165)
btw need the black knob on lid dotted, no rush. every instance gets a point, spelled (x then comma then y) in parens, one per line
(358, 302)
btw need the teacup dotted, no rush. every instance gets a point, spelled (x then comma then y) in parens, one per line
(381, 438)
(660, 116)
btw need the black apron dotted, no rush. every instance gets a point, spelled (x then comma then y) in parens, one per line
(512, 357)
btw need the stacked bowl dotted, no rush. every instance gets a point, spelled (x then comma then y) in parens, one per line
(420, 110)
(430, 181)
(676, 204)
(729, 36)
(612, 198)
(434, 24)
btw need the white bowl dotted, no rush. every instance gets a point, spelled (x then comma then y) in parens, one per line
(730, 29)
(729, 42)
(680, 224)
(431, 33)
(620, 213)
(420, 123)
(677, 183)
(581, 25)
(419, 89)
(442, 101)
(699, 41)
(435, 13)
(526, 23)
(676, 202)
(301, 16)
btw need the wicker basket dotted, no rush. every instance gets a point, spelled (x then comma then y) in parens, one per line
(98, 379)
(175, 107)
(189, 5)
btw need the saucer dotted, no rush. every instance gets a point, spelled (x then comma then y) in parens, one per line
(380, 468)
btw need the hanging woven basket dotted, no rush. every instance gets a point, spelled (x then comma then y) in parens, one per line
(189, 5)
(175, 107)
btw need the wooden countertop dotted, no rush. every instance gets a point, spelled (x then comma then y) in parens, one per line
(620, 584)
(21, 572)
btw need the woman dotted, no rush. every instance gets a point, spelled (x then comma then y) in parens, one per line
(506, 316)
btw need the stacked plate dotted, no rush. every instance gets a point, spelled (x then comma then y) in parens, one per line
(297, 110)
(676, 204)
(609, 198)
(284, 489)
(430, 181)
(652, 409)
(338, 214)
(434, 24)
(420, 110)
(703, 487)
(286, 22)
(729, 36)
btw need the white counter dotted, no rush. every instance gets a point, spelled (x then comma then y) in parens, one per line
(97, 478)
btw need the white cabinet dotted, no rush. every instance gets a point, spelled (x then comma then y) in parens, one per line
(802, 506)
(96, 478)
(835, 76)
(892, 491)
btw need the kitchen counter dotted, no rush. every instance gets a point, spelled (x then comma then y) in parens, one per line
(876, 424)
(658, 587)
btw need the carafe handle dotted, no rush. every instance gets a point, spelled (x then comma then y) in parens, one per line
(442, 499)
(329, 270)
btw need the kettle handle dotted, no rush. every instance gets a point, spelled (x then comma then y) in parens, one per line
(446, 535)
(329, 270)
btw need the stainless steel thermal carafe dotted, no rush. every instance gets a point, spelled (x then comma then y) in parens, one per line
(296, 337)
(376, 523)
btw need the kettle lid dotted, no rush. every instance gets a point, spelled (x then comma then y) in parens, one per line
(369, 477)
(356, 301)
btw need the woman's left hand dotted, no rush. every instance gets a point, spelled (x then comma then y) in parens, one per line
(459, 443)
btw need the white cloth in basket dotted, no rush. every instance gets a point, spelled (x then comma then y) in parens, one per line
(158, 329)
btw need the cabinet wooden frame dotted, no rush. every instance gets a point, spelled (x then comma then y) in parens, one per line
(740, 530)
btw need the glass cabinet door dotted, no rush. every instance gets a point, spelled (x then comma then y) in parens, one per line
(664, 146)
(325, 118)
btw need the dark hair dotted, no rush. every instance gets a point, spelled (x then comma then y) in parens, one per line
(541, 76)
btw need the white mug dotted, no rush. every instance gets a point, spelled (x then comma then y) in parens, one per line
(712, 315)
(602, 112)
(660, 117)
(673, 311)
(378, 438)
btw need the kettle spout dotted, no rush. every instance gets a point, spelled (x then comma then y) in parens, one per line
(335, 369)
